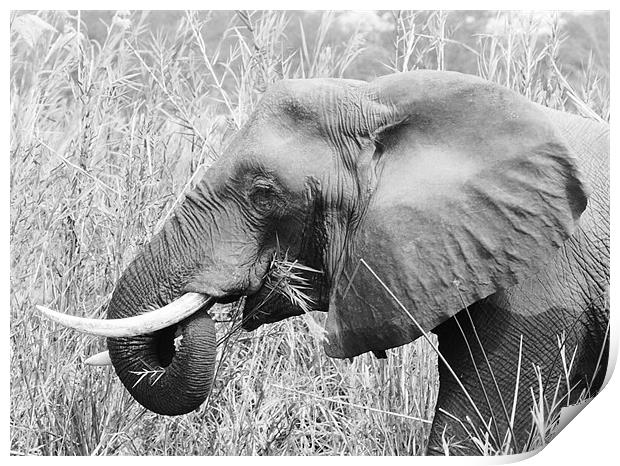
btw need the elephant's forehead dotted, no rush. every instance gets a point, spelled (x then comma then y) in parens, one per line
(289, 132)
(265, 134)
(308, 100)
(282, 150)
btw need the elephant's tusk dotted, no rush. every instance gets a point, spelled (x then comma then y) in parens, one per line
(99, 359)
(141, 324)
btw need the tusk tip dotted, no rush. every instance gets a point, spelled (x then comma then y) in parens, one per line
(99, 359)
(46, 311)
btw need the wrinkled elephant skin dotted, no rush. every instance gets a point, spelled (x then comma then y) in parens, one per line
(483, 214)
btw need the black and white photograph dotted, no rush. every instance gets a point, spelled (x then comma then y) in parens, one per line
(307, 232)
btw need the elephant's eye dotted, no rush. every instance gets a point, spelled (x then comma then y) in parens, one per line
(263, 197)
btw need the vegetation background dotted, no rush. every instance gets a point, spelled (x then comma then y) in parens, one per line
(115, 115)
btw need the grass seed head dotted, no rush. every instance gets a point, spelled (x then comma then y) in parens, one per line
(290, 279)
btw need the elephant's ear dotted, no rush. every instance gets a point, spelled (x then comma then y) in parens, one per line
(474, 192)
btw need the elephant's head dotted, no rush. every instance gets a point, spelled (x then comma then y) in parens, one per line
(425, 190)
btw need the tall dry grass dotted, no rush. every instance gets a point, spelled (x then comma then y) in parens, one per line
(106, 137)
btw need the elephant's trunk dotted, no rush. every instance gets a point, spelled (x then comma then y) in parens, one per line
(169, 371)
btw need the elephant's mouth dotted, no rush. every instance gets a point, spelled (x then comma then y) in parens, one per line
(289, 288)
(266, 307)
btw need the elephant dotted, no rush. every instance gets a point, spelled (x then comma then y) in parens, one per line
(432, 202)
